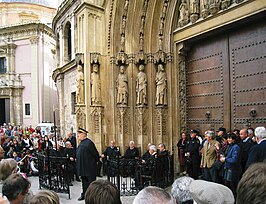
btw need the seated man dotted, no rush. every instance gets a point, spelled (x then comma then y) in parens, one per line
(110, 153)
(162, 151)
(147, 153)
(146, 168)
(129, 161)
(132, 152)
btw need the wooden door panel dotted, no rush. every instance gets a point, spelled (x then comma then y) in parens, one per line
(207, 84)
(247, 49)
(209, 87)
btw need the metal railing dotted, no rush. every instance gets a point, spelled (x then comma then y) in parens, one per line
(53, 173)
(132, 175)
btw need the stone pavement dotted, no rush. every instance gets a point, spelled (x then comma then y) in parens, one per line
(74, 193)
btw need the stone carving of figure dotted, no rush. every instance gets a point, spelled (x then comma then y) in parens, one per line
(183, 14)
(80, 86)
(194, 10)
(141, 86)
(194, 7)
(122, 87)
(161, 86)
(95, 85)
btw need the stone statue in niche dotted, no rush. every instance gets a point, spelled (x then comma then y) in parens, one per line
(122, 87)
(194, 10)
(204, 8)
(95, 85)
(141, 86)
(183, 14)
(161, 86)
(80, 85)
(225, 4)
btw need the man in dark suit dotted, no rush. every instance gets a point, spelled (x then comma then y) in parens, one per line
(193, 155)
(87, 158)
(245, 145)
(110, 153)
(258, 151)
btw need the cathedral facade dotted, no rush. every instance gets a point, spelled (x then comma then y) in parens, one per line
(146, 70)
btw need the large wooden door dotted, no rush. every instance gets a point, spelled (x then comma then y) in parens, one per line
(226, 80)
(248, 76)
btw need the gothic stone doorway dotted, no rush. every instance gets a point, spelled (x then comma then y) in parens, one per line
(226, 80)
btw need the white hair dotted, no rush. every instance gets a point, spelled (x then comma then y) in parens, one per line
(153, 147)
(260, 132)
(180, 189)
(152, 194)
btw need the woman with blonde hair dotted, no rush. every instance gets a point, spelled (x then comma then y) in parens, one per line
(45, 197)
(7, 167)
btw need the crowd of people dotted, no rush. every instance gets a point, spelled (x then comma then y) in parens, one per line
(221, 158)
(229, 166)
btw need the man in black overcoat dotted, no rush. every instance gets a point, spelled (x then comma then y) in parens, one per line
(87, 158)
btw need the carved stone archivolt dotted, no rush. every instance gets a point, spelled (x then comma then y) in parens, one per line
(80, 116)
(161, 123)
(96, 121)
(191, 10)
(140, 111)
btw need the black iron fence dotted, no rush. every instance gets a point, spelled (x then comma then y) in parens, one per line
(53, 173)
(132, 175)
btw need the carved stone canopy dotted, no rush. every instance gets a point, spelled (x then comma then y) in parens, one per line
(141, 58)
(95, 58)
(79, 58)
(121, 58)
(160, 57)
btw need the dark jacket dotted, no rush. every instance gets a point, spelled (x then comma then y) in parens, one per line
(131, 153)
(87, 158)
(111, 152)
(257, 153)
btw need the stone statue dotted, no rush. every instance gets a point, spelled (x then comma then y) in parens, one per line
(161, 86)
(141, 86)
(122, 87)
(183, 14)
(80, 86)
(95, 85)
(194, 10)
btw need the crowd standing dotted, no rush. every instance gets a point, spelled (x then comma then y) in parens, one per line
(222, 168)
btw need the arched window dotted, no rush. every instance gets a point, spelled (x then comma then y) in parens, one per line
(67, 42)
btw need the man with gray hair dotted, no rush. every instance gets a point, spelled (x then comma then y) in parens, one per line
(258, 151)
(153, 194)
(209, 156)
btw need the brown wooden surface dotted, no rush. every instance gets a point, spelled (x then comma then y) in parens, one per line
(226, 75)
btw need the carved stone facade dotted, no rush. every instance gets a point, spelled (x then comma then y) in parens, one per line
(162, 36)
(27, 54)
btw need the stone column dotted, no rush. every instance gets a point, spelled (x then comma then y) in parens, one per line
(12, 106)
(11, 49)
(60, 88)
(122, 110)
(35, 89)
